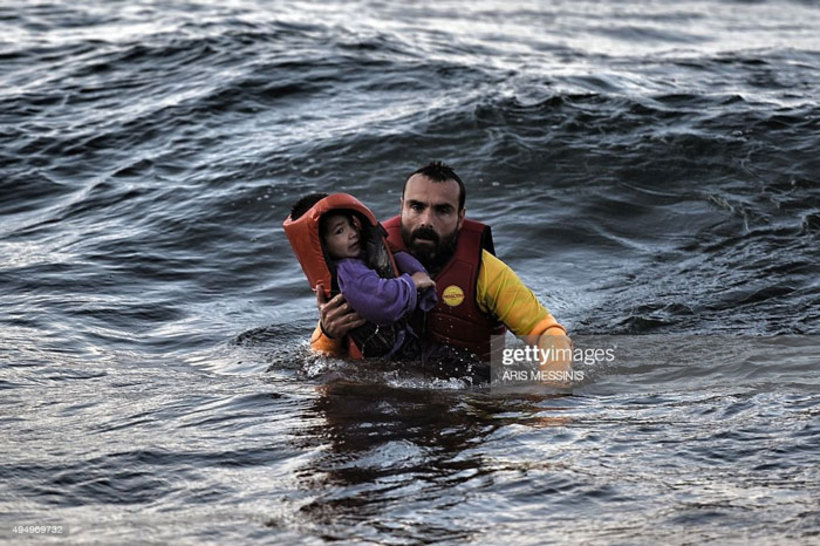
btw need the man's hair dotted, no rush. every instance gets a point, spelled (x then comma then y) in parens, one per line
(439, 172)
(305, 204)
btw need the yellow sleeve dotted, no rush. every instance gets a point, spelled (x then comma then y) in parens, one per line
(323, 345)
(500, 293)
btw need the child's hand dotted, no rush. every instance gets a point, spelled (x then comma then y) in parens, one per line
(422, 280)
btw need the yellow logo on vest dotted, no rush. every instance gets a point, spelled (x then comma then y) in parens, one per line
(453, 295)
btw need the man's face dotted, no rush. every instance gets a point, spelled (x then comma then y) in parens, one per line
(430, 219)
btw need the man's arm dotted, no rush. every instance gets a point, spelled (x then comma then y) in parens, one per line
(321, 344)
(337, 318)
(500, 292)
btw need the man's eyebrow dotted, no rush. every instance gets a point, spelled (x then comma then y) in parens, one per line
(443, 206)
(416, 202)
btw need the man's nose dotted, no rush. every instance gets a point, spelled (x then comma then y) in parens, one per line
(426, 217)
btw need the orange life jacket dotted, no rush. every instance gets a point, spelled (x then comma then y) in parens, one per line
(306, 240)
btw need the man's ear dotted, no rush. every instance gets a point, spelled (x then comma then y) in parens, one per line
(461, 214)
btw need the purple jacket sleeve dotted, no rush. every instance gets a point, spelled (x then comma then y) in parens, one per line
(409, 265)
(383, 301)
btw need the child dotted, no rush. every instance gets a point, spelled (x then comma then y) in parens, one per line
(356, 255)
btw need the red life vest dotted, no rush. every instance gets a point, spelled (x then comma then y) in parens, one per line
(306, 241)
(456, 319)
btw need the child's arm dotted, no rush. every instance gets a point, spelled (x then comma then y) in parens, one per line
(408, 264)
(382, 301)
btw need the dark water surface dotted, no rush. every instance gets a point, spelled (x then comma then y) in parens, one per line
(649, 169)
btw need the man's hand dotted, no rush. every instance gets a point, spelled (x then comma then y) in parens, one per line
(337, 317)
(556, 369)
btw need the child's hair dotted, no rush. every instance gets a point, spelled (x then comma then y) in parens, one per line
(305, 204)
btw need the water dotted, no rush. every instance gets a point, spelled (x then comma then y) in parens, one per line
(649, 169)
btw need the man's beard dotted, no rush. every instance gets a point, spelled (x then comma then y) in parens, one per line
(432, 257)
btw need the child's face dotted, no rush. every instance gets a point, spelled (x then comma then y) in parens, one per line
(341, 237)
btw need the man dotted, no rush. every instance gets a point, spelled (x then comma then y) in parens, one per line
(479, 296)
